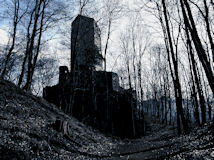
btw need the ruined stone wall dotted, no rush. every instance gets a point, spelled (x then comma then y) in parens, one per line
(94, 97)
(101, 106)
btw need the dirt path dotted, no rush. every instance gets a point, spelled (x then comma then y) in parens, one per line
(164, 144)
(148, 147)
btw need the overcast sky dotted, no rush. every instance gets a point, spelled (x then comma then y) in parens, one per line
(149, 24)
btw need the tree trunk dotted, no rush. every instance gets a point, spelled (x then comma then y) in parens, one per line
(26, 50)
(31, 47)
(15, 23)
(190, 23)
(177, 86)
(107, 42)
(38, 47)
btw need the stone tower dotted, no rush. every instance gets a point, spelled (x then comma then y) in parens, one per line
(85, 44)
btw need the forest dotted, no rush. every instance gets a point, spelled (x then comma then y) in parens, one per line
(161, 50)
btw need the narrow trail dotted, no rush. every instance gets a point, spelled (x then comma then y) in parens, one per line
(148, 147)
(165, 144)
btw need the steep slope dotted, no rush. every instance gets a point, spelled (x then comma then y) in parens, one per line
(30, 128)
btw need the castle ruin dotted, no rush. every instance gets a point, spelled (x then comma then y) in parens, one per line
(91, 95)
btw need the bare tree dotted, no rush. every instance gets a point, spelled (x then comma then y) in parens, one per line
(125, 49)
(82, 5)
(173, 58)
(191, 26)
(42, 16)
(17, 16)
(111, 12)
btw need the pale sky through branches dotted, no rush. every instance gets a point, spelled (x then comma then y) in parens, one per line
(120, 25)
